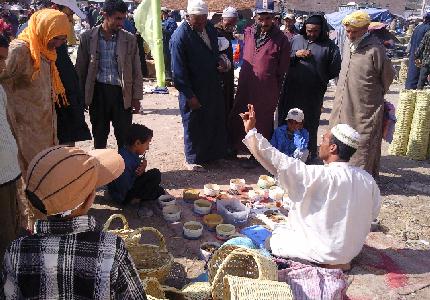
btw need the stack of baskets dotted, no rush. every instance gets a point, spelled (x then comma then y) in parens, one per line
(412, 134)
(150, 260)
(403, 73)
(420, 127)
(404, 115)
(239, 262)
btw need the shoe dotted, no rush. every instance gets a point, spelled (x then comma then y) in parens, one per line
(195, 168)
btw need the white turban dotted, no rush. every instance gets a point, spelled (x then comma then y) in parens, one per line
(229, 12)
(296, 115)
(197, 7)
(347, 135)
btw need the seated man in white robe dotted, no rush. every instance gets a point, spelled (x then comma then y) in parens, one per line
(332, 205)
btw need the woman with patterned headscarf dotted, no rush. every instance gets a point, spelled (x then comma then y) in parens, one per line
(33, 85)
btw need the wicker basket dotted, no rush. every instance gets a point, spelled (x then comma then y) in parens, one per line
(241, 288)
(242, 262)
(154, 290)
(404, 115)
(198, 291)
(420, 127)
(124, 232)
(150, 260)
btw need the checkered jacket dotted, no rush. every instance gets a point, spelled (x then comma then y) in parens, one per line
(69, 259)
(423, 50)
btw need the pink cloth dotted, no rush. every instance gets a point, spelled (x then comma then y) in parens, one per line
(309, 282)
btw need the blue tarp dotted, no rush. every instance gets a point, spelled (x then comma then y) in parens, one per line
(376, 15)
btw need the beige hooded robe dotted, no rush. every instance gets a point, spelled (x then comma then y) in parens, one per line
(365, 77)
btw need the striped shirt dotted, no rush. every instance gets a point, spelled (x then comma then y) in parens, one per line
(69, 259)
(9, 167)
(108, 63)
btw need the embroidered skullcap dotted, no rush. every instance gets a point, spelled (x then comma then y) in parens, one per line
(197, 7)
(347, 135)
(229, 12)
(357, 19)
(296, 115)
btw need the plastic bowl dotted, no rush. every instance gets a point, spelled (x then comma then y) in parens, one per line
(172, 213)
(224, 231)
(265, 182)
(193, 230)
(256, 195)
(237, 184)
(211, 190)
(191, 194)
(276, 193)
(212, 220)
(165, 200)
(202, 206)
(207, 249)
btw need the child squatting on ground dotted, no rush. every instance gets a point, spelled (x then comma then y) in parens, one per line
(135, 181)
(292, 139)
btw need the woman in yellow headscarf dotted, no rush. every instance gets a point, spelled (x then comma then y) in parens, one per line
(32, 83)
(33, 86)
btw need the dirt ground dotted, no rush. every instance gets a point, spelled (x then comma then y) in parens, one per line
(394, 264)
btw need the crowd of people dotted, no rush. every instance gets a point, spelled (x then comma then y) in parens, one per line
(282, 80)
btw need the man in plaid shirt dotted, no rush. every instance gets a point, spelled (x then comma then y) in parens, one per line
(422, 58)
(68, 257)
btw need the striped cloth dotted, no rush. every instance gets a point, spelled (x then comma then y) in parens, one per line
(69, 259)
(310, 282)
(9, 167)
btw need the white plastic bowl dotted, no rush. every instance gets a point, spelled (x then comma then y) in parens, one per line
(193, 233)
(225, 231)
(256, 195)
(265, 182)
(202, 206)
(211, 190)
(276, 193)
(165, 200)
(237, 184)
(172, 213)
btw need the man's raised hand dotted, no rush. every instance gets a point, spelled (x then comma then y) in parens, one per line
(248, 118)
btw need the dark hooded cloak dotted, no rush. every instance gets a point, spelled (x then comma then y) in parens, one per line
(306, 82)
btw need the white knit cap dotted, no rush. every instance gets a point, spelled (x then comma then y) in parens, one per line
(296, 115)
(229, 12)
(289, 16)
(197, 7)
(347, 135)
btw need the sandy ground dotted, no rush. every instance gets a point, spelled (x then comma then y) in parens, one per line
(394, 264)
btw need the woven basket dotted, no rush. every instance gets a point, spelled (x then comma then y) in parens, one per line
(404, 115)
(124, 232)
(150, 260)
(217, 258)
(241, 288)
(198, 291)
(420, 127)
(242, 262)
(154, 290)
